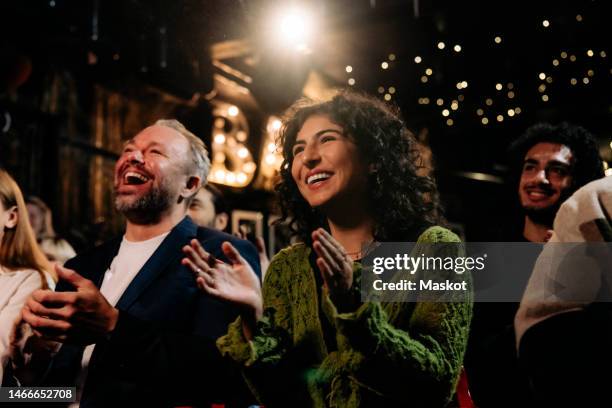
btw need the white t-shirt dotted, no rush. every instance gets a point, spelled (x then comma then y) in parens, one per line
(125, 266)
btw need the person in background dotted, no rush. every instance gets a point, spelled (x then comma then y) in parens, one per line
(548, 163)
(348, 181)
(23, 266)
(552, 162)
(564, 324)
(209, 209)
(55, 248)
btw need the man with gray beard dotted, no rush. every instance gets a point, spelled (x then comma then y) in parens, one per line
(132, 325)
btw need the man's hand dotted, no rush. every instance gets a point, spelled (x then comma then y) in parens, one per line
(82, 317)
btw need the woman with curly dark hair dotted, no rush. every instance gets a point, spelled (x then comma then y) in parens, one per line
(348, 181)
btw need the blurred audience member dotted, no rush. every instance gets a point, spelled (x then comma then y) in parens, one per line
(23, 266)
(56, 248)
(563, 334)
(549, 163)
(209, 209)
(554, 162)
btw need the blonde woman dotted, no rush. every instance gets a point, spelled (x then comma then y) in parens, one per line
(23, 266)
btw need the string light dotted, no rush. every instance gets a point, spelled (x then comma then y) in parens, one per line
(545, 98)
(511, 112)
(510, 85)
(498, 86)
(546, 23)
(517, 110)
(243, 152)
(387, 97)
(484, 121)
(445, 112)
(578, 17)
(454, 105)
(381, 89)
(542, 76)
(563, 54)
(384, 65)
(418, 59)
(391, 90)
(549, 80)
(233, 111)
(351, 81)
(510, 95)
(241, 178)
(573, 58)
(555, 62)
(590, 72)
(464, 84)
(441, 45)
(349, 69)
(460, 97)
(424, 79)
(497, 40)
(440, 102)
(449, 122)
(241, 135)
(457, 48)
(391, 57)
(489, 101)
(573, 81)
(542, 88)
(500, 118)
(428, 71)
(590, 53)
(585, 80)
(602, 54)
(479, 112)
(219, 138)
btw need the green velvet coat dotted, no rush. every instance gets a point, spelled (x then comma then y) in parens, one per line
(388, 354)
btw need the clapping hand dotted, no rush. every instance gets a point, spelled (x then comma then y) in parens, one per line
(235, 282)
(335, 265)
(82, 316)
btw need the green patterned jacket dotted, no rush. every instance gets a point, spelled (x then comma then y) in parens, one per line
(388, 354)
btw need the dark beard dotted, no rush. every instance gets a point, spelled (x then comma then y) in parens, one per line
(148, 209)
(546, 216)
(543, 216)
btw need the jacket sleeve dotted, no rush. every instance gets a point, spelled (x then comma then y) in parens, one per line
(381, 346)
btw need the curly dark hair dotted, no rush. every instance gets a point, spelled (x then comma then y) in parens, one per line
(586, 164)
(403, 203)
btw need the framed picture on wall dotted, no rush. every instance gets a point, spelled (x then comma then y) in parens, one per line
(249, 223)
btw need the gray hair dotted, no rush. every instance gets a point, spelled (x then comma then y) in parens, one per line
(199, 163)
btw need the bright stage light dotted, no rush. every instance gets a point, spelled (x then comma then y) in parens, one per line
(296, 27)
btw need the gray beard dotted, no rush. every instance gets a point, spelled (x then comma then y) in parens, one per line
(148, 208)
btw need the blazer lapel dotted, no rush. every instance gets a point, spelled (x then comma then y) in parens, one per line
(167, 253)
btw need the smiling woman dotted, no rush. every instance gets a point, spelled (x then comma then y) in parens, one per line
(349, 179)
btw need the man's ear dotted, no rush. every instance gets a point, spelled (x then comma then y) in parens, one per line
(12, 218)
(192, 185)
(221, 221)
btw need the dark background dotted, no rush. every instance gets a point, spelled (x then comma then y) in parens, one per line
(79, 76)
